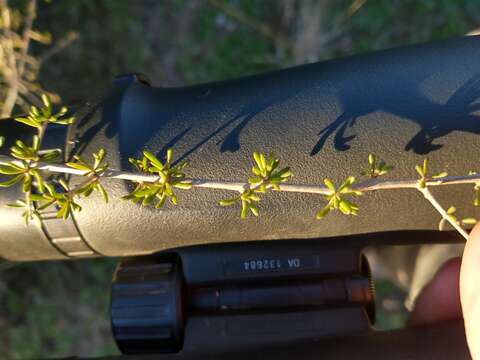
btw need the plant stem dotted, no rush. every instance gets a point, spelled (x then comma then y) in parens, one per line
(431, 199)
(365, 186)
(90, 179)
(28, 194)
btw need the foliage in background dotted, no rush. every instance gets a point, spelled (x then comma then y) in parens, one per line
(118, 36)
(19, 69)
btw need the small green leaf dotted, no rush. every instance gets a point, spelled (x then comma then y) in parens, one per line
(34, 111)
(35, 142)
(469, 221)
(99, 156)
(28, 121)
(64, 211)
(148, 200)
(50, 155)
(153, 160)
(64, 184)
(36, 197)
(253, 209)
(45, 205)
(169, 156)
(39, 179)
(284, 173)
(440, 175)
(329, 184)
(324, 212)
(244, 212)
(102, 191)
(79, 166)
(451, 210)
(27, 183)
(258, 159)
(10, 170)
(425, 166)
(345, 208)
(66, 121)
(419, 170)
(256, 171)
(254, 180)
(46, 101)
(183, 185)
(168, 189)
(18, 204)
(12, 181)
(228, 202)
(161, 202)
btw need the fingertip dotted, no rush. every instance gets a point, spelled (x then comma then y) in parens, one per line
(470, 290)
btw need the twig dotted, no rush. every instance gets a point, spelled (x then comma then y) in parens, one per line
(11, 70)
(89, 180)
(59, 46)
(431, 199)
(366, 186)
(28, 23)
(251, 22)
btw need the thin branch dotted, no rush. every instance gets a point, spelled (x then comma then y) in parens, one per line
(28, 23)
(28, 194)
(242, 18)
(89, 180)
(366, 186)
(10, 69)
(431, 199)
(59, 46)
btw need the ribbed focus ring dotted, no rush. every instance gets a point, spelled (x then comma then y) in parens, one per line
(146, 308)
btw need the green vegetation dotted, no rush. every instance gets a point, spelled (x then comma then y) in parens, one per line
(59, 309)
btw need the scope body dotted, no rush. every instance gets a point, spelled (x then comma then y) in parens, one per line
(321, 119)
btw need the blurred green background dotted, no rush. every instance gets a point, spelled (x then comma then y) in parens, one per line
(59, 309)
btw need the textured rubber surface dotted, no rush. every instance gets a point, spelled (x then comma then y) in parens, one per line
(321, 119)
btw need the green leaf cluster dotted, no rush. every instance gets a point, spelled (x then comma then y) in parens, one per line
(423, 172)
(476, 190)
(336, 198)
(376, 167)
(476, 198)
(248, 199)
(169, 177)
(65, 201)
(451, 213)
(21, 172)
(266, 173)
(39, 193)
(29, 211)
(94, 172)
(40, 117)
(97, 169)
(266, 176)
(26, 167)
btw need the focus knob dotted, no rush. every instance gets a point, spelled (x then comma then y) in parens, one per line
(147, 308)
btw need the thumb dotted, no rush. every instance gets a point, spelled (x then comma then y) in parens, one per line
(470, 291)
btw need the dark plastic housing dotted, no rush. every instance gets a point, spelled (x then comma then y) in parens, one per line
(225, 298)
(321, 119)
